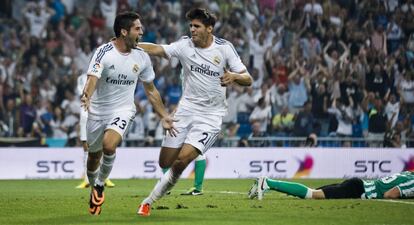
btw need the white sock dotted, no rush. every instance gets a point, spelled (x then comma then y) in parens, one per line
(85, 161)
(105, 169)
(163, 186)
(92, 176)
(309, 193)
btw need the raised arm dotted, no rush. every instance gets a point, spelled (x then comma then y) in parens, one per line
(153, 49)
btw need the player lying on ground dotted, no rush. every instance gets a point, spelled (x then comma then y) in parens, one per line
(399, 185)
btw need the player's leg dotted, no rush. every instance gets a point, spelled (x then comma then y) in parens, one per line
(111, 140)
(351, 188)
(82, 130)
(199, 170)
(291, 188)
(187, 154)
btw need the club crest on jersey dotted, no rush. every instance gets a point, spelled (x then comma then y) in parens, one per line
(216, 60)
(135, 69)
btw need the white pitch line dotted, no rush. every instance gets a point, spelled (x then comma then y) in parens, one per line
(245, 193)
(395, 201)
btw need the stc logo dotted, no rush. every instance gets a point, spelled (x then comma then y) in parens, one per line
(258, 166)
(305, 167)
(409, 165)
(55, 166)
(363, 166)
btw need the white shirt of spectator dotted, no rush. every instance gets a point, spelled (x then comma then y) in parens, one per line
(390, 109)
(263, 115)
(407, 90)
(109, 12)
(118, 75)
(315, 8)
(38, 23)
(202, 70)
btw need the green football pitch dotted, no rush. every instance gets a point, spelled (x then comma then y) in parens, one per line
(224, 202)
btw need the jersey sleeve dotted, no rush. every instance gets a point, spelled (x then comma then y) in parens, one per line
(233, 59)
(147, 74)
(174, 49)
(97, 64)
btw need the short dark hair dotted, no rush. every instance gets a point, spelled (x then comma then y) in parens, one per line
(207, 18)
(124, 20)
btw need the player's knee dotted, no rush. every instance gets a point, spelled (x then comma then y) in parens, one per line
(109, 148)
(164, 164)
(180, 164)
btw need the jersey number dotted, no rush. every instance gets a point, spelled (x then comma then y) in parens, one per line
(205, 139)
(123, 123)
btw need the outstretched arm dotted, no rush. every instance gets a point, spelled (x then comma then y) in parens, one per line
(156, 102)
(153, 49)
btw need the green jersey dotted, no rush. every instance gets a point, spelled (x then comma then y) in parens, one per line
(404, 181)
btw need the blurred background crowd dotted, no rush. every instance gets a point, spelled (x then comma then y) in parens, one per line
(334, 68)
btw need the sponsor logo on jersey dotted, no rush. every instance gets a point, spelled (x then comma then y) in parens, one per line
(204, 69)
(112, 67)
(120, 80)
(216, 60)
(135, 69)
(96, 67)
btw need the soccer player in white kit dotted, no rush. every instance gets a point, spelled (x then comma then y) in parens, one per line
(82, 135)
(108, 97)
(209, 64)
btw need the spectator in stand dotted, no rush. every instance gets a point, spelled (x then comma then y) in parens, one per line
(304, 121)
(282, 123)
(9, 118)
(377, 82)
(257, 133)
(27, 113)
(377, 122)
(279, 98)
(261, 115)
(298, 88)
(320, 101)
(406, 90)
(38, 18)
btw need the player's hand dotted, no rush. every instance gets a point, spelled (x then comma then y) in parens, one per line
(85, 102)
(227, 78)
(168, 125)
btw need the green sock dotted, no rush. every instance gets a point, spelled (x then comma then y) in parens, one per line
(164, 170)
(290, 188)
(200, 168)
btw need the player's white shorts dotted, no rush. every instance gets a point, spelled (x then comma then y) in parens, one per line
(82, 124)
(200, 131)
(119, 122)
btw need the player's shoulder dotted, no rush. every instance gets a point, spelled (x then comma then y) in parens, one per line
(140, 51)
(105, 47)
(102, 50)
(183, 39)
(221, 41)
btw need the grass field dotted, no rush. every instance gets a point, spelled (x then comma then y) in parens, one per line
(224, 202)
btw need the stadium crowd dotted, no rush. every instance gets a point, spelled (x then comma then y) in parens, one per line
(335, 68)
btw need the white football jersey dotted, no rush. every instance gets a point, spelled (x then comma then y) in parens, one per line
(202, 70)
(118, 75)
